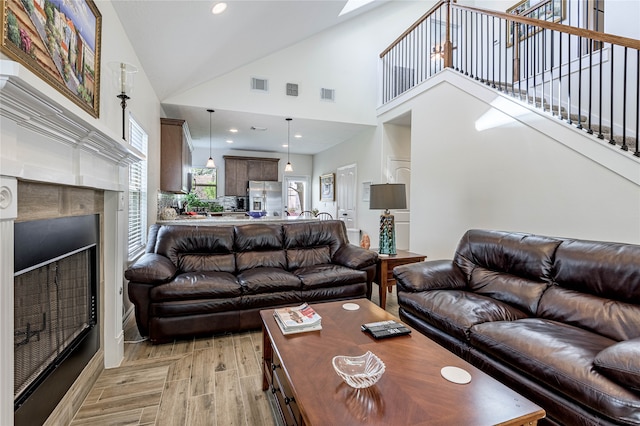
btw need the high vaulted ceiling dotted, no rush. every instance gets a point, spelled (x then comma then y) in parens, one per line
(181, 44)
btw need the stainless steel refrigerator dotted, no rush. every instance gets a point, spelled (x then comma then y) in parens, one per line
(266, 196)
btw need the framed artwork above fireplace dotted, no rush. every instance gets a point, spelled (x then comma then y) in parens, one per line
(60, 42)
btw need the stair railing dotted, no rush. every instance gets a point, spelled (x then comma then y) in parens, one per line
(587, 78)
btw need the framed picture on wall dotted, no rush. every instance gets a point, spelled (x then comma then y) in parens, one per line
(59, 41)
(327, 187)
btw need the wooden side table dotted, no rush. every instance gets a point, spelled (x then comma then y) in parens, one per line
(384, 271)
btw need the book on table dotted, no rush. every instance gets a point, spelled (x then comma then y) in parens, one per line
(297, 319)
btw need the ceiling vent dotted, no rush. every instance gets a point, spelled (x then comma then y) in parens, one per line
(328, 95)
(259, 84)
(292, 89)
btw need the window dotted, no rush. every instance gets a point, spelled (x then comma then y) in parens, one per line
(297, 195)
(205, 183)
(137, 235)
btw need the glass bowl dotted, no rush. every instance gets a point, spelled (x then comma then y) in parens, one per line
(359, 371)
(257, 215)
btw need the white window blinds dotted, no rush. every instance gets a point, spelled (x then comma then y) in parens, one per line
(137, 236)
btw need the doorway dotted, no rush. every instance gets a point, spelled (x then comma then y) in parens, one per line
(400, 172)
(346, 195)
(297, 195)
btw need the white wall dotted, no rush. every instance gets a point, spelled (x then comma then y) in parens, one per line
(509, 177)
(343, 58)
(519, 176)
(364, 151)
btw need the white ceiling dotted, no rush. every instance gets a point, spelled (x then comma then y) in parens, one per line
(180, 45)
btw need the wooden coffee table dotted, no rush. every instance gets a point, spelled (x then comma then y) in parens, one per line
(297, 369)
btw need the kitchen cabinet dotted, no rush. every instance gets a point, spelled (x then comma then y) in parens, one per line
(238, 171)
(175, 155)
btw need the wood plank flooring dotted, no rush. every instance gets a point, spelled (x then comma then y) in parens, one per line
(213, 381)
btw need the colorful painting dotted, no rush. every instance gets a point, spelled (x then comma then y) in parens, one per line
(58, 40)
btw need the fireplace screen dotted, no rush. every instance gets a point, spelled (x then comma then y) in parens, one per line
(54, 304)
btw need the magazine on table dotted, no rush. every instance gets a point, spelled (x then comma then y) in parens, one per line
(297, 319)
(383, 329)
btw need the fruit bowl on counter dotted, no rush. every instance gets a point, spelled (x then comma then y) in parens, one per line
(257, 215)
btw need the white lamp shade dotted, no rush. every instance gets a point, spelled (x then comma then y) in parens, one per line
(210, 163)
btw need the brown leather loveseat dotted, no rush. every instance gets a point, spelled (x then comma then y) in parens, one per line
(198, 280)
(556, 319)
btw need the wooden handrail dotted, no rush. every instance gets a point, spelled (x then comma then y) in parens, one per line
(594, 35)
(413, 27)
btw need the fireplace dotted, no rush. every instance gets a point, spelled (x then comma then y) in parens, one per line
(55, 310)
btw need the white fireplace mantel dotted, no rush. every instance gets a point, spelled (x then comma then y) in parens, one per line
(45, 138)
(55, 132)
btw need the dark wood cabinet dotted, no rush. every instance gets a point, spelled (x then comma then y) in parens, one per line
(175, 155)
(238, 171)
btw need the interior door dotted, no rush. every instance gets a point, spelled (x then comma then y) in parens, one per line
(346, 195)
(400, 172)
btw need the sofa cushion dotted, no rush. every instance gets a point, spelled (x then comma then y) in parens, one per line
(298, 258)
(329, 275)
(524, 293)
(174, 241)
(605, 269)
(309, 234)
(519, 254)
(190, 307)
(197, 285)
(258, 259)
(617, 320)
(206, 262)
(456, 311)
(559, 356)
(267, 280)
(621, 363)
(151, 268)
(258, 237)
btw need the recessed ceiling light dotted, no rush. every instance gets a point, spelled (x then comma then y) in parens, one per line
(297, 135)
(233, 130)
(284, 145)
(218, 8)
(229, 141)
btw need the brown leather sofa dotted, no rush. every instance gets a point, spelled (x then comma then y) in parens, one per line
(201, 280)
(556, 319)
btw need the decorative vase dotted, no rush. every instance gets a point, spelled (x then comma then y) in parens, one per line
(365, 242)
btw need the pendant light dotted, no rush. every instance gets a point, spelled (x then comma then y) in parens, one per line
(288, 167)
(210, 163)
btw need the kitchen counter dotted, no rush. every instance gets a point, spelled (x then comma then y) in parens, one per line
(228, 220)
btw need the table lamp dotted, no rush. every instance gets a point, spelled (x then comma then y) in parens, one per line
(387, 196)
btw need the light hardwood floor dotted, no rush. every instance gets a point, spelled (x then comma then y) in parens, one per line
(206, 381)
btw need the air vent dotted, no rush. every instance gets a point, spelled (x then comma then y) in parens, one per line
(292, 89)
(259, 84)
(328, 94)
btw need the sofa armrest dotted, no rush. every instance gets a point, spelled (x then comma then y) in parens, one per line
(151, 268)
(430, 275)
(354, 257)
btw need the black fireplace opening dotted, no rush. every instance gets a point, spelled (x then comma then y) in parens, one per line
(55, 310)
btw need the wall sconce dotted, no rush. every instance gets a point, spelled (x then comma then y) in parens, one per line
(123, 79)
(387, 196)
